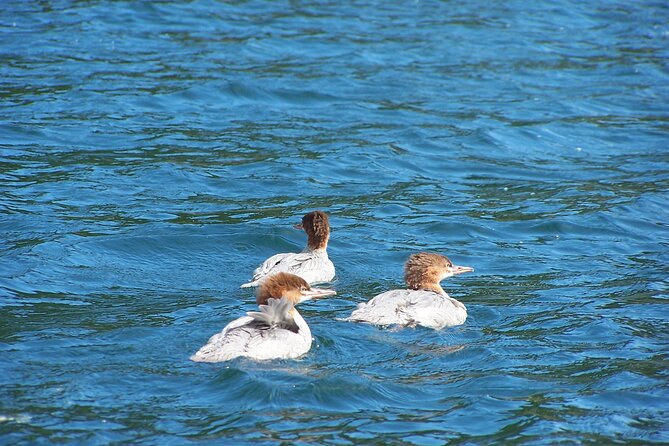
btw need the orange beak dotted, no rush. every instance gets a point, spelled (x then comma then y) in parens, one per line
(315, 293)
(460, 269)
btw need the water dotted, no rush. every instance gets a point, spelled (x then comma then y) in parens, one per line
(153, 153)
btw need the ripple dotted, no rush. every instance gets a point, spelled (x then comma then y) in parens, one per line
(153, 154)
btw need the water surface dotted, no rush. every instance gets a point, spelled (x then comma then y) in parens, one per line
(153, 153)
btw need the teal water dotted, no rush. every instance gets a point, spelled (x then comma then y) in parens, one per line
(153, 153)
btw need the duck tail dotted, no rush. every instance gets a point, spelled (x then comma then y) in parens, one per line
(276, 314)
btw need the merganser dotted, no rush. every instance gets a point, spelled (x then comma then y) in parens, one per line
(425, 303)
(276, 331)
(312, 264)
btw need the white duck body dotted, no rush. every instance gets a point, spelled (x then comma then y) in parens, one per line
(425, 303)
(287, 336)
(276, 331)
(314, 266)
(410, 308)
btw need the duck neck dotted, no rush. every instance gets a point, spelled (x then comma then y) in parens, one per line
(301, 324)
(321, 246)
(316, 243)
(436, 288)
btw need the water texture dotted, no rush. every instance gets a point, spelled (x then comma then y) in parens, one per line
(153, 153)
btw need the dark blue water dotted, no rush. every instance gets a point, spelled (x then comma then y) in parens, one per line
(153, 153)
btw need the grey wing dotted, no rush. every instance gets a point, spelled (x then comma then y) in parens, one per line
(286, 262)
(268, 266)
(385, 309)
(294, 263)
(278, 343)
(260, 341)
(227, 344)
(434, 311)
(315, 269)
(235, 340)
(415, 309)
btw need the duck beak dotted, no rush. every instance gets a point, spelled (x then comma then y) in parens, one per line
(315, 293)
(460, 269)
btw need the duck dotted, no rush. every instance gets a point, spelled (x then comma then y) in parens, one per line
(312, 264)
(424, 303)
(275, 331)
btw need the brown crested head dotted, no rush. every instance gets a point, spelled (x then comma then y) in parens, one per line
(317, 227)
(424, 271)
(282, 285)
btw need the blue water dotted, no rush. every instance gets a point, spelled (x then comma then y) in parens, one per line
(153, 153)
